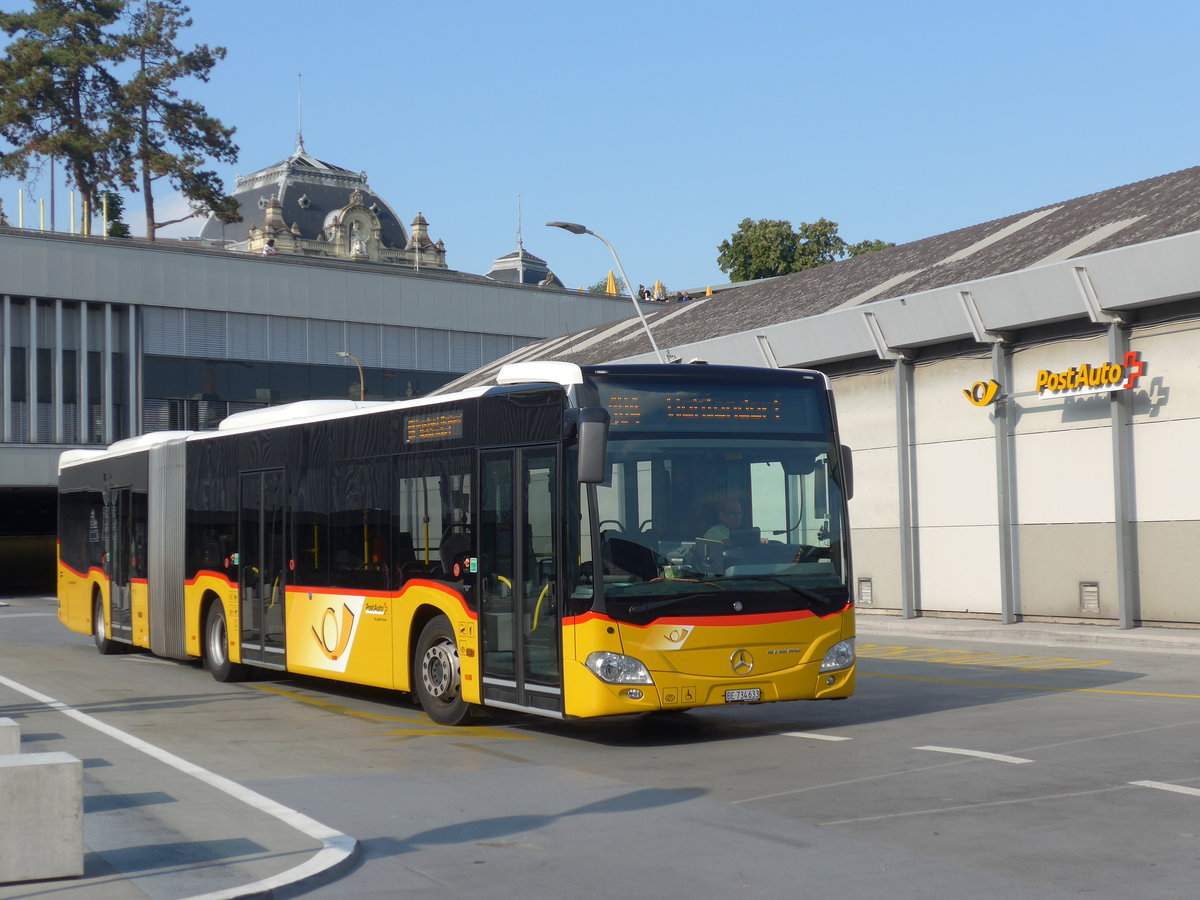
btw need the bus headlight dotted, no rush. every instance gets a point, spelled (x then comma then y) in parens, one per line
(839, 656)
(617, 669)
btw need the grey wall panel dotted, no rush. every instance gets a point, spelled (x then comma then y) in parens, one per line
(1170, 571)
(1145, 273)
(876, 555)
(176, 275)
(29, 466)
(1056, 558)
(959, 570)
(938, 317)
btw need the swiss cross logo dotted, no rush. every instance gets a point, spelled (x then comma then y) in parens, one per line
(1134, 368)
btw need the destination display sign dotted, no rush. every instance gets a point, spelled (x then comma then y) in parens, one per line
(627, 409)
(789, 408)
(439, 426)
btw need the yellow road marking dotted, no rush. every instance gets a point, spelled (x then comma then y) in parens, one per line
(1034, 687)
(421, 726)
(974, 658)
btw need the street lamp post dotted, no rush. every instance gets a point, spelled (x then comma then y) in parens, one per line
(580, 229)
(362, 387)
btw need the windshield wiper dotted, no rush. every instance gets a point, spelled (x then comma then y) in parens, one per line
(803, 592)
(670, 601)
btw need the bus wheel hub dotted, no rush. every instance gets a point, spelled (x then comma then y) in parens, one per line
(439, 670)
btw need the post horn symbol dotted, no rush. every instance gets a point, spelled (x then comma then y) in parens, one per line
(981, 393)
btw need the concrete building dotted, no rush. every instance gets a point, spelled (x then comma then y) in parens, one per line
(1022, 398)
(106, 339)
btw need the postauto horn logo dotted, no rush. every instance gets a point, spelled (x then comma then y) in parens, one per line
(1089, 379)
(981, 393)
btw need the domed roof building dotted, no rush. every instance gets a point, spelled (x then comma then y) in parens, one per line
(310, 207)
(522, 267)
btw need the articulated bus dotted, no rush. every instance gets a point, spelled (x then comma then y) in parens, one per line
(564, 543)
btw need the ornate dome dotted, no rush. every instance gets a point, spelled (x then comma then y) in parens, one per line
(309, 191)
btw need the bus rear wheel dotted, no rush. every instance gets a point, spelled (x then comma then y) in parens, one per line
(216, 647)
(437, 678)
(104, 644)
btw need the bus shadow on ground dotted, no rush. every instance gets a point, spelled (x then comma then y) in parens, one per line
(886, 690)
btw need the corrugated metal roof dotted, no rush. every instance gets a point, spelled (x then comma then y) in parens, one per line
(1125, 216)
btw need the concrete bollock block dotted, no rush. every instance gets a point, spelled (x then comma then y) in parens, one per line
(10, 737)
(41, 816)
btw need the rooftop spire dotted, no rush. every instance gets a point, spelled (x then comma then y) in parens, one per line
(519, 246)
(299, 118)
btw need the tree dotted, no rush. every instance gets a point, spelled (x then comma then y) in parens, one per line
(56, 87)
(164, 135)
(868, 247)
(765, 248)
(114, 208)
(758, 249)
(817, 244)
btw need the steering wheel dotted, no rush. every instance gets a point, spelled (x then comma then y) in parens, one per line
(807, 554)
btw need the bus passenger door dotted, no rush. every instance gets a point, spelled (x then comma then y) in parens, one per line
(519, 579)
(121, 561)
(261, 568)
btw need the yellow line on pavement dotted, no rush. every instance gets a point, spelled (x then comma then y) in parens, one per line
(975, 658)
(421, 725)
(1033, 687)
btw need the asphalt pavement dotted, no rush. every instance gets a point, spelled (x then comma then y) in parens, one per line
(190, 854)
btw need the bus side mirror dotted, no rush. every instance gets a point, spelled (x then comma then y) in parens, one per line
(847, 472)
(593, 444)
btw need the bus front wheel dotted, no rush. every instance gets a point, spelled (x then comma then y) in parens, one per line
(437, 678)
(216, 647)
(104, 644)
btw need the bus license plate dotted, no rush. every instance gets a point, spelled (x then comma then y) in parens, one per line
(745, 695)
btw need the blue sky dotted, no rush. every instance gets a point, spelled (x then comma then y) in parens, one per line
(661, 125)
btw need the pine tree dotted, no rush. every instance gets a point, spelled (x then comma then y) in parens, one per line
(163, 135)
(56, 89)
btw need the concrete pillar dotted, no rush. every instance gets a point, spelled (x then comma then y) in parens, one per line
(41, 816)
(10, 737)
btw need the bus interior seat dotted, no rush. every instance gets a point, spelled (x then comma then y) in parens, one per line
(416, 569)
(743, 537)
(404, 548)
(627, 558)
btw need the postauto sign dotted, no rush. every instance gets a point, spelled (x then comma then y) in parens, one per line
(1085, 378)
(1091, 379)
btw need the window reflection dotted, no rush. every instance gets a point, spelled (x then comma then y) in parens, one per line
(196, 394)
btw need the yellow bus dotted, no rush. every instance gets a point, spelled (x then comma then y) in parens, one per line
(569, 542)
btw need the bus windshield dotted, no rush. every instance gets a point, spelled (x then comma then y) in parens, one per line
(719, 501)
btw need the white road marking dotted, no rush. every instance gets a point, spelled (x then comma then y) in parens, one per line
(338, 848)
(815, 737)
(28, 615)
(998, 757)
(1166, 786)
(153, 660)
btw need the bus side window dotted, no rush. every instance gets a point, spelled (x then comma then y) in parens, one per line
(360, 528)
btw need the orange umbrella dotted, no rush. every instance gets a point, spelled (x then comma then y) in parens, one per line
(610, 286)
(708, 291)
